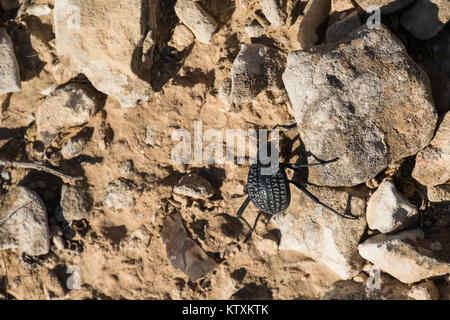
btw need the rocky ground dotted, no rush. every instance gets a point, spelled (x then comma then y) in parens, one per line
(94, 207)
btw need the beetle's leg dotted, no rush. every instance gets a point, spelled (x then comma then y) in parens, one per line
(295, 166)
(317, 201)
(252, 229)
(241, 211)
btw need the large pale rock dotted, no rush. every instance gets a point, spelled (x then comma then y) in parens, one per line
(322, 235)
(273, 11)
(193, 16)
(72, 105)
(426, 18)
(388, 289)
(403, 256)
(364, 101)
(23, 222)
(433, 163)
(9, 69)
(111, 42)
(386, 6)
(316, 14)
(183, 252)
(388, 210)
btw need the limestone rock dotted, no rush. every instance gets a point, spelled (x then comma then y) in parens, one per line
(193, 16)
(316, 13)
(194, 186)
(322, 235)
(119, 194)
(433, 163)
(388, 210)
(255, 29)
(23, 222)
(364, 101)
(111, 42)
(273, 11)
(72, 105)
(401, 256)
(182, 38)
(9, 69)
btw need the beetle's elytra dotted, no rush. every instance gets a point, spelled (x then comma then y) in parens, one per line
(270, 193)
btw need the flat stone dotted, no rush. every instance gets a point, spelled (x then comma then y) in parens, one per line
(23, 222)
(365, 93)
(111, 42)
(193, 16)
(388, 210)
(194, 186)
(72, 105)
(273, 11)
(182, 252)
(9, 69)
(402, 256)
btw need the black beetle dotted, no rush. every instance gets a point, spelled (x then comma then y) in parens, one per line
(271, 194)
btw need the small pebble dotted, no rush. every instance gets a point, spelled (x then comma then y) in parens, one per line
(6, 176)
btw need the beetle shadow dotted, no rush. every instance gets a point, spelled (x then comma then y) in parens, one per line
(300, 174)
